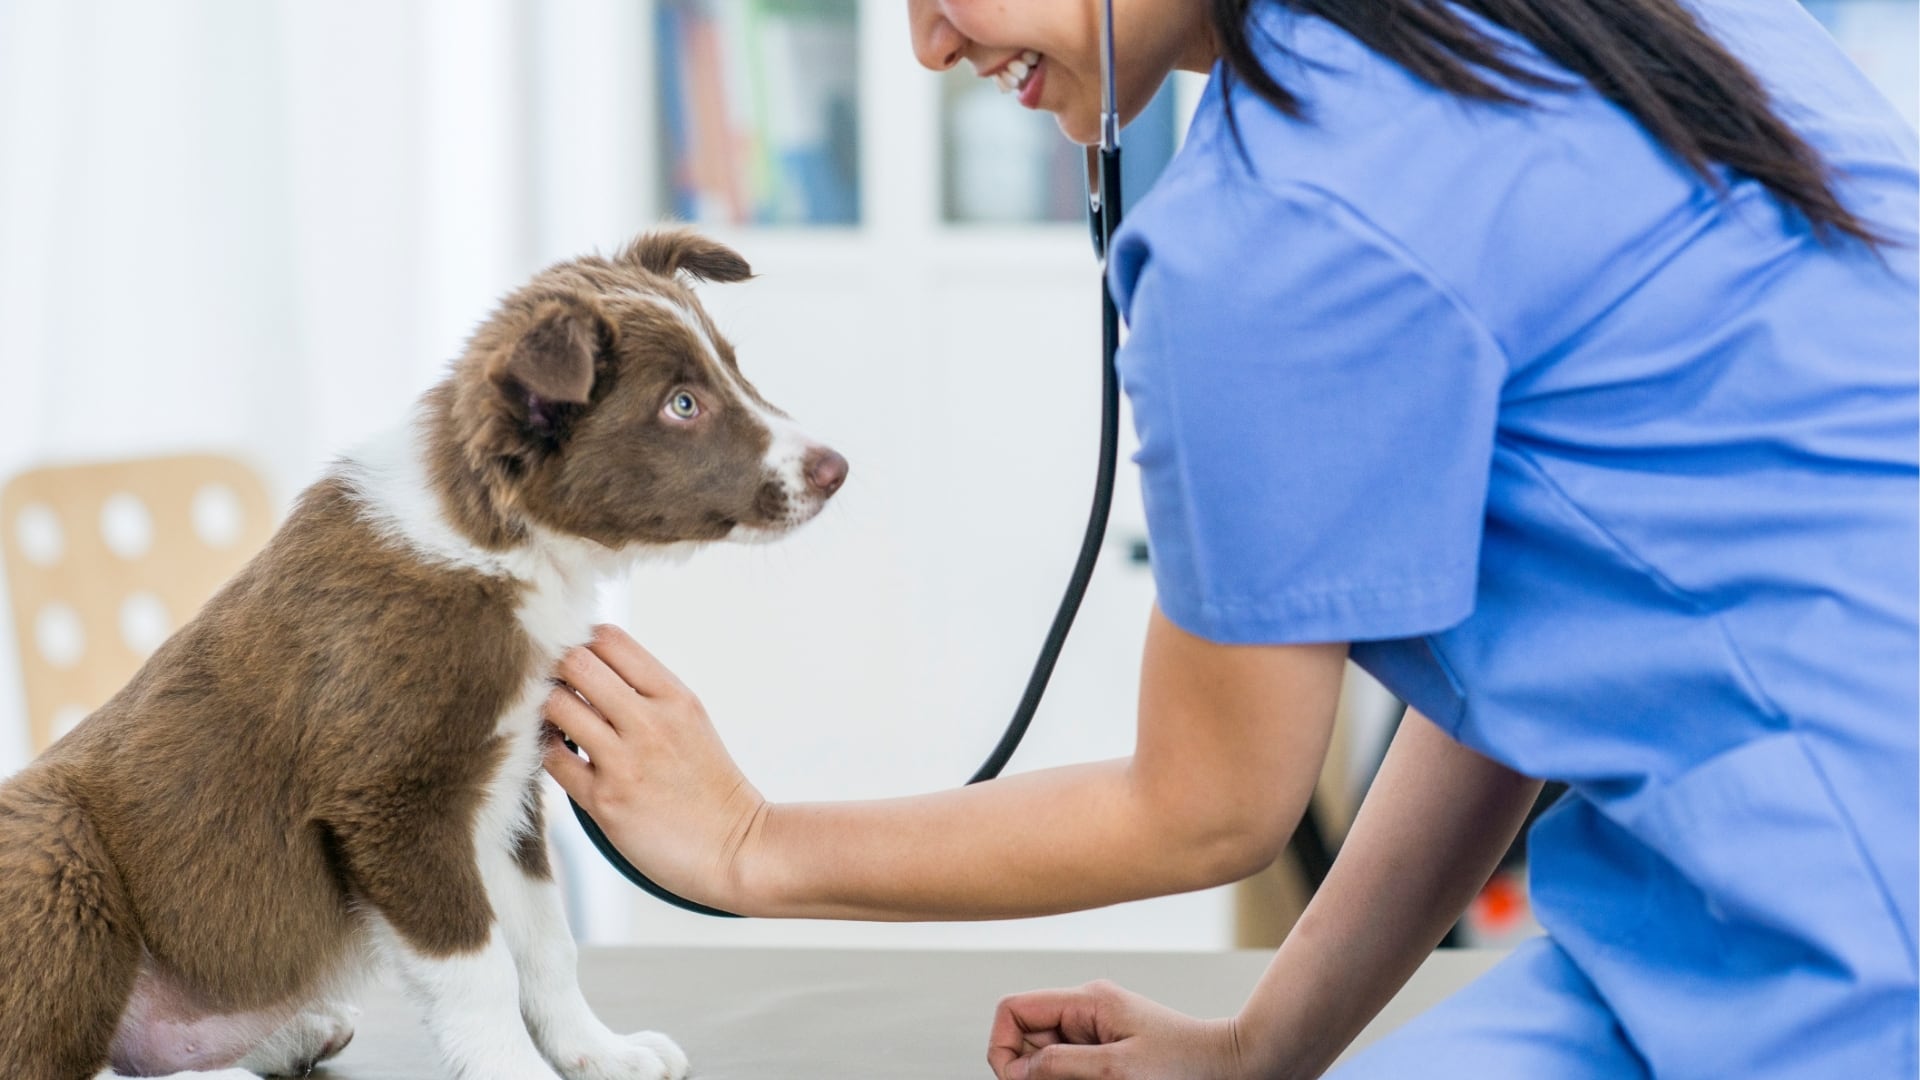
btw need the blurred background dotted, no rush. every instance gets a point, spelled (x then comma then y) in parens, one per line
(260, 229)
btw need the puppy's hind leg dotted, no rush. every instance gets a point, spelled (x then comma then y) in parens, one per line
(318, 1034)
(69, 948)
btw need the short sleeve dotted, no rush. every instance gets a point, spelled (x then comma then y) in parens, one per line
(1316, 418)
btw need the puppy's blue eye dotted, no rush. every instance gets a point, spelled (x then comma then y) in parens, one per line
(683, 406)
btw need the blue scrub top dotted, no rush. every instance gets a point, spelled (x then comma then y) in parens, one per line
(1610, 474)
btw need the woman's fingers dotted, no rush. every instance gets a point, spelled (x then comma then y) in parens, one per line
(604, 689)
(1021, 1017)
(1065, 1061)
(1007, 1048)
(1086, 1014)
(579, 722)
(1101, 1030)
(1025, 1024)
(635, 666)
(571, 771)
(657, 778)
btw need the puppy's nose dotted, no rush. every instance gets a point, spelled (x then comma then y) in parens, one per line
(826, 470)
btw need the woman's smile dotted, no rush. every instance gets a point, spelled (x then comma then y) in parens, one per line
(1023, 73)
(1031, 86)
(1048, 53)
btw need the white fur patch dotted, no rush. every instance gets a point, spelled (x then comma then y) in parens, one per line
(390, 475)
(562, 1024)
(471, 1005)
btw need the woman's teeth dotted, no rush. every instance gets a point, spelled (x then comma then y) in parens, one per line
(1014, 75)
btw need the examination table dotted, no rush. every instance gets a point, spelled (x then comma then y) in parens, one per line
(815, 1014)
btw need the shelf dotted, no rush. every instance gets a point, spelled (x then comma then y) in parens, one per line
(759, 110)
(813, 115)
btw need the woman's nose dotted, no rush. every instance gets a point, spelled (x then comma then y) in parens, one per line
(936, 44)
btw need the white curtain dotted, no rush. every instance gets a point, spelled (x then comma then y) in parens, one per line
(262, 228)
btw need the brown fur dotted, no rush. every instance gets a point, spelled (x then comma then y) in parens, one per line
(317, 741)
(531, 851)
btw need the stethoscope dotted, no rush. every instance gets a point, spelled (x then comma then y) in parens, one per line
(1103, 214)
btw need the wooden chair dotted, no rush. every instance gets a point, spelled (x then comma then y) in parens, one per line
(104, 560)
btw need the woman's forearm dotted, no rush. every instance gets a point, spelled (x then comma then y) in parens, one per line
(1037, 843)
(1230, 742)
(1432, 829)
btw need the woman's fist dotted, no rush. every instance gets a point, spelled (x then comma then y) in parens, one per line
(1102, 1032)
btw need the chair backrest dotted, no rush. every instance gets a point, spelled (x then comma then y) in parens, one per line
(105, 560)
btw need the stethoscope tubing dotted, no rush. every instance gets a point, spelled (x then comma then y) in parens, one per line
(1104, 209)
(1106, 219)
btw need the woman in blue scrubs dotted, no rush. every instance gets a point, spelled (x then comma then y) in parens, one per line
(1556, 361)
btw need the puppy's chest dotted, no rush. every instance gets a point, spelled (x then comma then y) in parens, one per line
(554, 619)
(556, 614)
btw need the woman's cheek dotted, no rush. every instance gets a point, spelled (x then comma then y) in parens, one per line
(979, 20)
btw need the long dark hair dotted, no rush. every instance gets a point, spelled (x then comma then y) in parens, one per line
(1647, 56)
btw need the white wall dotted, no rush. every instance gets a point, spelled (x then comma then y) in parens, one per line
(264, 227)
(230, 225)
(1883, 38)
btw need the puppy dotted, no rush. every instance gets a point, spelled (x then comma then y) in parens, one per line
(336, 761)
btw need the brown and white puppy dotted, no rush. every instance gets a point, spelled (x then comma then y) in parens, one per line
(337, 759)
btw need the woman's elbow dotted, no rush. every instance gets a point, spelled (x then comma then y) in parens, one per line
(1234, 847)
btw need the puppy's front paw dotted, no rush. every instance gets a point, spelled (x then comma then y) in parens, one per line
(644, 1055)
(668, 1051)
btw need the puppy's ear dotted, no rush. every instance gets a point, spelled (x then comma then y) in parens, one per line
(672, 251)
(546, 373)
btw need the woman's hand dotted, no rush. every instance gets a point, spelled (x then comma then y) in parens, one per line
(1102, 1032)
(658, 782)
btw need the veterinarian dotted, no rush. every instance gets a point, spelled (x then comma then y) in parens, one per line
(1555, 361)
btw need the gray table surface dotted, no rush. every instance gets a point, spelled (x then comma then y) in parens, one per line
(813, 1014)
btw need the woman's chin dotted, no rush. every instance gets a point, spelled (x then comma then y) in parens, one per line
(1082, 129)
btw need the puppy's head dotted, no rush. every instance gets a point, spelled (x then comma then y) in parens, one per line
(599, 401)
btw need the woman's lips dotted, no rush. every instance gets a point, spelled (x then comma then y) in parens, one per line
(1030, 86)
